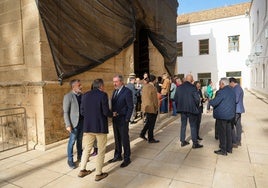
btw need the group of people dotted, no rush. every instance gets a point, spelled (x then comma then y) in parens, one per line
(86, 115)
(86, 119)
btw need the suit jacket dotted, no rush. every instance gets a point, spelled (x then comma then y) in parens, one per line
(202, 100)
(70, 110)
(95, 109)
(149, 99)
(224, 104)
(134, 92)
(123, 103)
(187, 98)
(239, 93)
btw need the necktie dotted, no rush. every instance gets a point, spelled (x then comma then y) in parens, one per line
(116, 93)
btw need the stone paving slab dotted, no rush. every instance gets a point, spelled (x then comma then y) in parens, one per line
(163, 165)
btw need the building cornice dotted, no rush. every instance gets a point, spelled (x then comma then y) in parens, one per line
(213, 14)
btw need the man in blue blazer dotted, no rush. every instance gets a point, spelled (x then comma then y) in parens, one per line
(239, 95)
(95, 109)
(224, 111)
(122, 107)
(73, 120)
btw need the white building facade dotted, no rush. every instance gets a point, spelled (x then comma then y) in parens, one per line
(258, 57)
(212, 49)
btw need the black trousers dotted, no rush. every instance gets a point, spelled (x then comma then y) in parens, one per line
(198, 123)
(216, 130)
(149, 125)
(121, 137)
(225, 135)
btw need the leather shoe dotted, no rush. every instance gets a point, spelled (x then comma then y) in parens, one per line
(115, 159)
(235, 146)
(71, 164)
(230, 151)
(184, 143)
(83, 173)
(143, 137)
(153, 141)
(199, 138)
(125, 163)
(101, 176)
(220, 152)
(195, 146)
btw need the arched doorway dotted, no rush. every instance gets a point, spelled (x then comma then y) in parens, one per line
(141, 52)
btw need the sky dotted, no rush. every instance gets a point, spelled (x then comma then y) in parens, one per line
(189, 6)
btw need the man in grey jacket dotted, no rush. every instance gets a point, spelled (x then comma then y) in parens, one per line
(131, 86)
(73, 120)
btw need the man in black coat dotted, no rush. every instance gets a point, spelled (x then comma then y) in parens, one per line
(122, 107)
(187, 102)
(95, 109)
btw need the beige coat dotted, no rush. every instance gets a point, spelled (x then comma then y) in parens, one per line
(149, 99)
(165, 87)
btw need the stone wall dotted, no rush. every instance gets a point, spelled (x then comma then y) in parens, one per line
(53, 92)
(20, 63)
(28, 77)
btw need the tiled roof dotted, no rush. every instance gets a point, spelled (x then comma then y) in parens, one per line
(212, 14)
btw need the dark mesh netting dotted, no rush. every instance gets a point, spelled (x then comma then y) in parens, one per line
(84, 33)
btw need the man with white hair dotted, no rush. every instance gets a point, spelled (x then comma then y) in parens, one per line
(224, 111)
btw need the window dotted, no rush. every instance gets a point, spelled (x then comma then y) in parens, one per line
(179, 46)
(204, 78)
(181, 76)
(236, 74)
(233, 43)
(203, 47)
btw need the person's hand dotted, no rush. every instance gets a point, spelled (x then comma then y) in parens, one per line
(69, 129)
(115, 114)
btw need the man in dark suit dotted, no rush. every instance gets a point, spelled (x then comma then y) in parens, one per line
(95, 109)
(73, 120)
(200, 108)
(122, 107)
(224, 111)
(187, 102)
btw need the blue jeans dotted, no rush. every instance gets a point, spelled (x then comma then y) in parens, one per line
(75, 135)
(193, 125)
(174, 108)
(164, 104)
